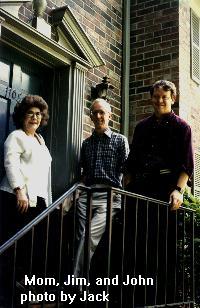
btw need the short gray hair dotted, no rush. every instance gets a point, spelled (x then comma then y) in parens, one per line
(103, 102)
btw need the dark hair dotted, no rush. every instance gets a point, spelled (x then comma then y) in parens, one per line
(165, 85)
(28, 102)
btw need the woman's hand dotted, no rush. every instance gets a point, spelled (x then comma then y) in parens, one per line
(22, 201)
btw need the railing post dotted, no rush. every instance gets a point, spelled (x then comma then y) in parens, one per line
(192, 255)
(87, 236)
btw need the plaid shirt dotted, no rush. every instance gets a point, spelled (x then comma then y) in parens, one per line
(103, 158)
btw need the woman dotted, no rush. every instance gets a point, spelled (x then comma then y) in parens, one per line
(26, 189)
(27, 162)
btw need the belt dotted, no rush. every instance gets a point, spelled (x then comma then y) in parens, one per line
(99, 186)
(153, 173)
(165, 171)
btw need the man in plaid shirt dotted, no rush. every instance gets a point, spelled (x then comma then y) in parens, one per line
(103, 156)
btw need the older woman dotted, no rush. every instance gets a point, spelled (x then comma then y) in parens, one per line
(27, 161)
(26, 189)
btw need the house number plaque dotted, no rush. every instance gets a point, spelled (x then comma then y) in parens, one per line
(10, 93)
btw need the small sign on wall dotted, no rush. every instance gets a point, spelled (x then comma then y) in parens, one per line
(10, 93)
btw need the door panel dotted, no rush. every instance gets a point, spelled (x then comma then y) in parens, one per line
(3, 130)
(4, 72)
(27, 80)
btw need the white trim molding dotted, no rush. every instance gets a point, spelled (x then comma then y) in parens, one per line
(64, 20)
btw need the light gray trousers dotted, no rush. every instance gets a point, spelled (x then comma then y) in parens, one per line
(97, 227)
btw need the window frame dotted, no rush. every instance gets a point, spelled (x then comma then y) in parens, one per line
(195, 47)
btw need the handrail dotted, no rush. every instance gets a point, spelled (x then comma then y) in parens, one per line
(36, 220)
(53, 206)
(130, 194)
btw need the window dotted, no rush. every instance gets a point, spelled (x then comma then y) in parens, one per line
(195, 47)
(197, 174)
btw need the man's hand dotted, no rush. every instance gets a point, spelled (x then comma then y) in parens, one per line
(175, 199)
(127, 179)
(22, 201)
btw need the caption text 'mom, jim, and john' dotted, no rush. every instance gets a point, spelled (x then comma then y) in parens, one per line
(73, 281)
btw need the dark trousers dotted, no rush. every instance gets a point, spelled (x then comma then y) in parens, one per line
(13, 269)
(150, 242)
(11, 220)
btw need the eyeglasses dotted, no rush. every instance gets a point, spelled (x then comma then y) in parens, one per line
(164, 98)
(94, 113)
(31, 114)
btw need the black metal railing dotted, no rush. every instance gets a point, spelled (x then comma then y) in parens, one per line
(144, 259)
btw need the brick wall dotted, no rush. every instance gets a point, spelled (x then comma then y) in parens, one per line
(189, 89)
(102, 21)
(154, 51)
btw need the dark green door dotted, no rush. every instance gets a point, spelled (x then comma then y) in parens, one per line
(19, 76)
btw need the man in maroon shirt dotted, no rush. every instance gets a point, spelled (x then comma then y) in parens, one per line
(159, 165)
(161, 157)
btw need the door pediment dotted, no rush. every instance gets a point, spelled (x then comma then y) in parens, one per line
(72, 44)
(70, 34)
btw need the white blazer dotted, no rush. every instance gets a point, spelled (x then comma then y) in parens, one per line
(27, 164)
